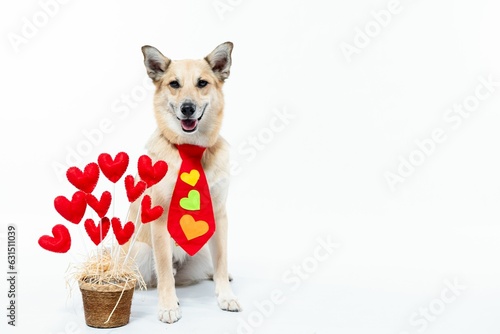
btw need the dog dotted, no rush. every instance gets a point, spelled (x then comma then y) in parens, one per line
(188, 107)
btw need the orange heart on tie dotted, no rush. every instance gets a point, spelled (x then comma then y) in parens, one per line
(191, 178)
(193, 228)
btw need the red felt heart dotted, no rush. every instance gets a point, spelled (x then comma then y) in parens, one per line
(101, 207)
(99, 232)
(73, 210)
(60, 242)
(149, 214)
(113, 169)
(122, 234)
(149, 173)
(134, 190)
(86, 180)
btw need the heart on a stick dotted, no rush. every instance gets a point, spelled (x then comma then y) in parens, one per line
(98, 232)
(86, 180)
(148, 214)
(149, 173)
(122, 233)
(101, 206)
(59, 242)
(134, 191)
(113, 169)
(73, 210)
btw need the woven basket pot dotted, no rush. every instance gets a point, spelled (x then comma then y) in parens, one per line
(102, 300)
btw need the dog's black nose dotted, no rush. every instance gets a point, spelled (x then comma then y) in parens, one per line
(188, 109)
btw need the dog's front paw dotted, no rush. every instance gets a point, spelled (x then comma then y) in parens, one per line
(169, 315)
(229, 303)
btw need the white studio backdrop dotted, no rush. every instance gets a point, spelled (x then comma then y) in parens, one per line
(365, 159)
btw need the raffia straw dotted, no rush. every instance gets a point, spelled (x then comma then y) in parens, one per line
(101, 271)
(117, 302)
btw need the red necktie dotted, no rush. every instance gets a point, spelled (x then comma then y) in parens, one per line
(191, 220)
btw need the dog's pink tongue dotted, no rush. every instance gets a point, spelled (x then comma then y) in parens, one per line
(189, 124)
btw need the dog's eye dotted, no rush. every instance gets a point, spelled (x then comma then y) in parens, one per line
(202, 83)
(174, 84)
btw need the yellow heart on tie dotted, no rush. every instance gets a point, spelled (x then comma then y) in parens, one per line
(193, 228)
(191, 178)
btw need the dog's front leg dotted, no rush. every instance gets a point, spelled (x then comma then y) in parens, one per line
(169, 310)
(218, 249)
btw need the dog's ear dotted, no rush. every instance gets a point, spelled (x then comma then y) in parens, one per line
(220, 60)
(156, 63)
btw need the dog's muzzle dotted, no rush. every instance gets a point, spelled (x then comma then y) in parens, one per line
(189, 124)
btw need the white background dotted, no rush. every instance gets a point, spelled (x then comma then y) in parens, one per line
(322, 175)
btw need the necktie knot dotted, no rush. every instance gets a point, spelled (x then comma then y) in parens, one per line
(190, 152)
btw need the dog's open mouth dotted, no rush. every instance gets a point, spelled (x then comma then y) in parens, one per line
(189, 125)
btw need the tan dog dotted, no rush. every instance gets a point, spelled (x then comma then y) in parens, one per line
(188, 106)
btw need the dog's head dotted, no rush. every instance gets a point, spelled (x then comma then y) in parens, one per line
(188, 101)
